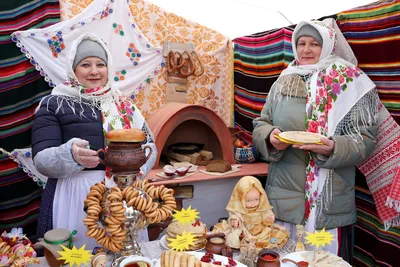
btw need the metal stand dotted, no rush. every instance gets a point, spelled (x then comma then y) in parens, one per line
(135, 221)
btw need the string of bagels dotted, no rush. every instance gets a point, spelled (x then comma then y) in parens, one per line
(157, 205)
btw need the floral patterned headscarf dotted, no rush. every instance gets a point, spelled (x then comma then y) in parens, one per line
(336, 89)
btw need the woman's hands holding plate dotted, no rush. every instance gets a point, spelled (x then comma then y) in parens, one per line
(326, 148)
(275, 142)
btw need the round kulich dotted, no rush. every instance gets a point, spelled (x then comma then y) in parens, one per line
(126, 135)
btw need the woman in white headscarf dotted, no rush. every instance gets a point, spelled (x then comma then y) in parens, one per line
(321, 91)
(69, 127)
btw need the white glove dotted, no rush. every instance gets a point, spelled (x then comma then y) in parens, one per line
(83, 156)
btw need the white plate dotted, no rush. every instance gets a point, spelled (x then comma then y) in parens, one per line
(220, 258)
(164, 244)
(296, 256)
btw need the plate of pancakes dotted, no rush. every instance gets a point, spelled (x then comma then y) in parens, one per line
(299, 138)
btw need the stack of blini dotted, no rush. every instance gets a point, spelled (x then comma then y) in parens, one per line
(172, 258)
(198, 229)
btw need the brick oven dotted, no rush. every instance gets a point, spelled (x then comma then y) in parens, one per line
(178, 122)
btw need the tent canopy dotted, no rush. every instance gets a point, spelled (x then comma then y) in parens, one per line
(236, 18)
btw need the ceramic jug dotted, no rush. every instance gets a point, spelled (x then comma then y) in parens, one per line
(125, 157)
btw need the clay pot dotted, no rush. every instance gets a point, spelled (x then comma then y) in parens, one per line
(262, 261)
(124, 157)
(216, 243)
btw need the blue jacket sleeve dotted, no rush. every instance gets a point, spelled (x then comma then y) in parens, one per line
(51, 157)
(46, 130)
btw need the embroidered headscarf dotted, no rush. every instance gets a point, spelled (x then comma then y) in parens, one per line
(340, 97)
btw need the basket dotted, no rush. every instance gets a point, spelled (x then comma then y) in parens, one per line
(244, 155)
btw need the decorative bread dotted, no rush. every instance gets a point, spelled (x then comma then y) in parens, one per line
(126, 135)
(218, 166)
(197, 228)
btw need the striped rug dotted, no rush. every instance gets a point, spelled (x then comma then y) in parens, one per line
(373, 246)
(258, 61)
(373, 33)
(21, 88)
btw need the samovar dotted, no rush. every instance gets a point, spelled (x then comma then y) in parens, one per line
(124, 160)
(135, 221)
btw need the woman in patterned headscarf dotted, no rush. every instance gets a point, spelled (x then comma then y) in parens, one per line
(321, 91)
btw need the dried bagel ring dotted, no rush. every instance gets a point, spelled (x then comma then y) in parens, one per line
(97, 204)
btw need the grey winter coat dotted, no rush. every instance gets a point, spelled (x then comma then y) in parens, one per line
(286, 174)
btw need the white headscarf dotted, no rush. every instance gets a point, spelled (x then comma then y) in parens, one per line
(74, 93)
(107, 98)
(334, 47)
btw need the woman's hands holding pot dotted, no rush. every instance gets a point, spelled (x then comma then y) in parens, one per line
(276, 143)
(325, 149)
(85, 157)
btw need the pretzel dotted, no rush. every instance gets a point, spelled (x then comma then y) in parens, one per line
(190, 65)
(198, 65)
(176, 62)
(170, 65)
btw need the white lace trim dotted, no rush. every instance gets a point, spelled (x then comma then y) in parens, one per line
(24, 159)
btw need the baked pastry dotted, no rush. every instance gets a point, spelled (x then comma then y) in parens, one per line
(172, 258)
(126, 135)
(197, 228)
(219, 165)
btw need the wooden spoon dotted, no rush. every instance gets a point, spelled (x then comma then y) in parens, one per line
(298, 264)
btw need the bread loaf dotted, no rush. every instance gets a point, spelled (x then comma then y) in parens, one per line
(126, 135)
(218, 166)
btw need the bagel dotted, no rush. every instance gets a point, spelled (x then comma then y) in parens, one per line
(156, 202)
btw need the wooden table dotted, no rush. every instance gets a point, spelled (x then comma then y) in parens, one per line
(252, 169)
